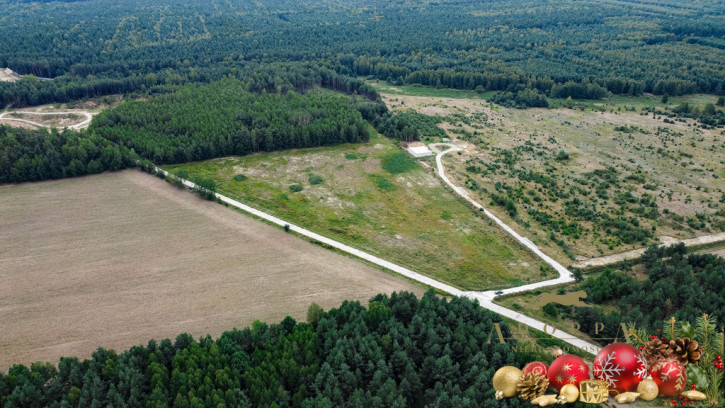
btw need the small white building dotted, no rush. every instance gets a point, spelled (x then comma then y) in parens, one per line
(420, 151)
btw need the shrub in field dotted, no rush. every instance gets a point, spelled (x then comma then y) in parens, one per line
(295, 188)
(399, 162)
(205, 187)
(382, 183)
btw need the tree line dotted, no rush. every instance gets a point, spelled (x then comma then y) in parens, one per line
(400, 351)
(32, 155)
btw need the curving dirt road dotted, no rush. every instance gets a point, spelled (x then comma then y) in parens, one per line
(486, 298)
(89, 116)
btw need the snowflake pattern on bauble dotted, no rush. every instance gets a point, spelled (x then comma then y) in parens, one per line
(641, 371)
(608, 369)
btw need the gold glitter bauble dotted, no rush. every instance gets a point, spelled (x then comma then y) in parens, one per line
(570, 392)
(505, 380)
(648, 390)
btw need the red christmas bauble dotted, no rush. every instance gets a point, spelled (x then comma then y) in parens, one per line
(670, 376)
(567, 369)
(536, 368)
(622, 365)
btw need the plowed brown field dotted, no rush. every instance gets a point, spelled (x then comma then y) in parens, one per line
(114, 260)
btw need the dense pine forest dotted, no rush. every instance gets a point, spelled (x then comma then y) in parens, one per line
(559, 48)
(225, 119)
(33, 155)
(398, 352)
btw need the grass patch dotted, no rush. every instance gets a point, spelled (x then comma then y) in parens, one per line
(382, 183)
(239, 177)
(354, 156)
(399, 162)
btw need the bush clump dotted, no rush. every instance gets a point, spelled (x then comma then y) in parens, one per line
(399, 162)
(382, 183)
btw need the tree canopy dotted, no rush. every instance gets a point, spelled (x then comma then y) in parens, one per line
(679, 283)
(559, 48)
(400, 351)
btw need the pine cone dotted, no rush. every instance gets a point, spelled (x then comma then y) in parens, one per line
(531, 386)
(655, 350)
(685, 350)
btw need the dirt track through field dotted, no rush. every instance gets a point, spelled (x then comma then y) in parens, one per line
(117, 259)
(80, 125)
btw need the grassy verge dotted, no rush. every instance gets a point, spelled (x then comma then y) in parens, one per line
(402, 214)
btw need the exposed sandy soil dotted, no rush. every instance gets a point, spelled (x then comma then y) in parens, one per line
(114, 260)
(7, 75)
(60, 120)
(17, 124)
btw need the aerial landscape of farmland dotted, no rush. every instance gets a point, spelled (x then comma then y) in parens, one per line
(362, 203)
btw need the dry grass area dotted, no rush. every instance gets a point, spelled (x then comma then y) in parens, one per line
(114, 260)
(619, 162)
(93, 105)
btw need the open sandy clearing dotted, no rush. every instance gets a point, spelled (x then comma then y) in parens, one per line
(117, 259)
(7, 75)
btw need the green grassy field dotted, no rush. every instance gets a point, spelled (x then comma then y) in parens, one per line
(402, 214)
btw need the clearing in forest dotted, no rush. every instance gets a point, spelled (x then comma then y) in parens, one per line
(74, 115)
(598, 178)
(116, 259)
(7, 75)
(376, 198)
